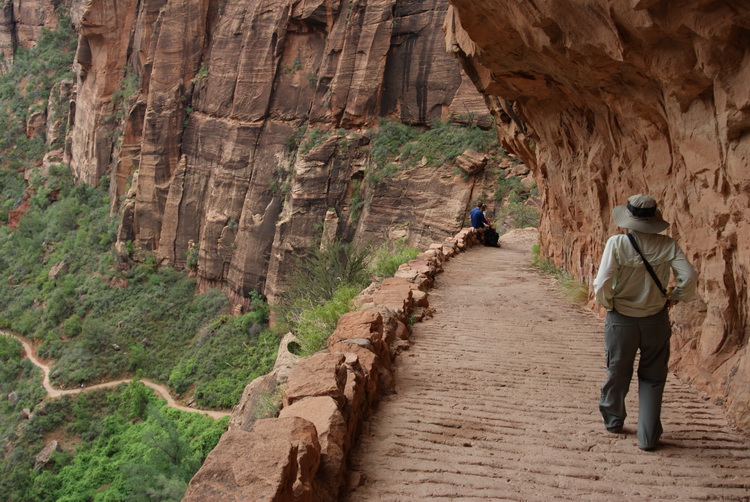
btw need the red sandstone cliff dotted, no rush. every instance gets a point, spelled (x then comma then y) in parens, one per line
(611, 98)
(199, 148)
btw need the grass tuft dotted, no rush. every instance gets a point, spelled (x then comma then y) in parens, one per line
(573, 289)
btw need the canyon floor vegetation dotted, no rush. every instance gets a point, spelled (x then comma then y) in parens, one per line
(62, 286)
(123, 439)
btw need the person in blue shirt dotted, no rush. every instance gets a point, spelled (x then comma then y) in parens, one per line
(478, 219)
(486, 232)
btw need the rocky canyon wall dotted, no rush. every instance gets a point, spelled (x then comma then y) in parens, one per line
(233, 129)
(22, 22)
(607, 99)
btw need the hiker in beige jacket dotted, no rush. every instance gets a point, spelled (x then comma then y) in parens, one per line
(638, 313)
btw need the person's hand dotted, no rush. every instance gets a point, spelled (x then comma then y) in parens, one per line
(670, 303)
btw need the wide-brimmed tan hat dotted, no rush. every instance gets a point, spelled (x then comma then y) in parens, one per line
(641, 214)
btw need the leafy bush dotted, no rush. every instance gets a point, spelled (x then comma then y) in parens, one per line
(379, 174)
(445, 141)
(12, 188)
(389, 139)
(504, 187)
(391, 255)
(225, 357)
(94, 330)
(28, 83)
(312, 139)
(574, 290)
(320, 290)
(396, 145)
(315, 324)
(99, 332)
(319, 274)
(131, 447)
(520, 215)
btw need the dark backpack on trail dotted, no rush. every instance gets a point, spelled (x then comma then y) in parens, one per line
(491, 237)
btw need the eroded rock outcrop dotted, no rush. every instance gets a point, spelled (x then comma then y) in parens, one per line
(203, 149)
(612, 98)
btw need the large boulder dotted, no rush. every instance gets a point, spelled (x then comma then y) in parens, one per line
(324, 413)
(277, 461)
(322, 374)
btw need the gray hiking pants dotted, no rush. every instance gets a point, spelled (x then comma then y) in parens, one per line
(623, 337)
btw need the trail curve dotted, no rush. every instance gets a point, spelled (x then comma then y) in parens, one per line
(160, 390)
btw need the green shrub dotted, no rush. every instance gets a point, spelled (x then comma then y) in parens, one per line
(520, 215)
(12, 188)
(320, 290)
(378, 174)
(292, 143)
(225, 356)
(313, 139)
(191, 257)
(505, 186)
(546, 266)
(390, 137)
(131, 447)
(445, 141)
(357, 202)
(316, 324)
(72, 326)
(27, 84)
(318, 275)
(391, 255)
(396, 146)
(574, 290)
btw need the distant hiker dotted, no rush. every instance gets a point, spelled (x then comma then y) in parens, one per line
(638, 313)
(478, 220)
(484, 228)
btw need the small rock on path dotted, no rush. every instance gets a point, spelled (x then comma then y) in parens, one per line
(498, 400)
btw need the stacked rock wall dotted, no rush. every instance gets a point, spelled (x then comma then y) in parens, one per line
(607, 99)
(301, 454)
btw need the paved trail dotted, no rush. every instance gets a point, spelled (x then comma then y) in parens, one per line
(497, 400)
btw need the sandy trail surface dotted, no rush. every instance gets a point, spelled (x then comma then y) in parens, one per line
(160, 390)
(497, 399)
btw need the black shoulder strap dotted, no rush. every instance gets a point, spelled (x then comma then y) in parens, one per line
(648, 265)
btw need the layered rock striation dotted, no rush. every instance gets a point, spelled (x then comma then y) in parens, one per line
(607, 99)
(200, 111)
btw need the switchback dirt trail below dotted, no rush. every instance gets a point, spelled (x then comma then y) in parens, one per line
(53, 392)
(497, 399)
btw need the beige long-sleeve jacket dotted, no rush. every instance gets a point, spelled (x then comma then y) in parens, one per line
(624, 284)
